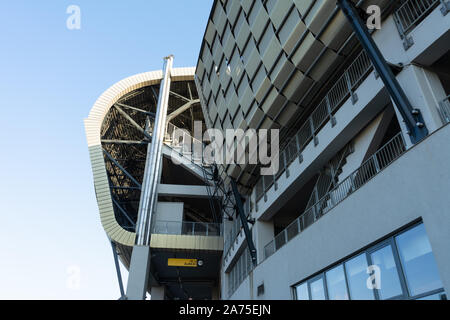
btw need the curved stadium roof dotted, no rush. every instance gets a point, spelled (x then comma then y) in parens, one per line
(138, 91)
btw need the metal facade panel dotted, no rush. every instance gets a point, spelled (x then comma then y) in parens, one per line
(279, 12)
(288, 61)
(306, 54)
(291, 32)
(186, 242)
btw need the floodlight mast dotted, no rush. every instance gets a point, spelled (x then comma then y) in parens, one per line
(140, 258)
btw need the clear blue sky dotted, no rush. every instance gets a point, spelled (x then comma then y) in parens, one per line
(49, 79)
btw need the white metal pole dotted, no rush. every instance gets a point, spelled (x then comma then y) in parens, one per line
(148, 201)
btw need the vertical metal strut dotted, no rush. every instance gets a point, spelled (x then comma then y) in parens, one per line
(119, 276)
(244, 222)
(152, 172)
(140, 258)
(411, 116)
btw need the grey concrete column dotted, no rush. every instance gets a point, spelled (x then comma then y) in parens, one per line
(263, 233)
(424, 90)
(138, 273)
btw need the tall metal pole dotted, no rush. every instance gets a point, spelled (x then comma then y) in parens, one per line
(152, 172)
(140, 258)
(411, 116)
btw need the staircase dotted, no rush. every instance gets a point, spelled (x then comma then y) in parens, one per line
(327, 180)
(215, 178)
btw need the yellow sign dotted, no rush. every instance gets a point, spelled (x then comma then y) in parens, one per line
(175, 262)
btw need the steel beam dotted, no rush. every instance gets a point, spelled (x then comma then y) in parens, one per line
(119, 275)
(180, 96)
(411, 116)
(124, 212)
(182, 109)
(244, 222)
(110, 157)
(134, 123)
(151, 114)
(124, 142)
(125, 188)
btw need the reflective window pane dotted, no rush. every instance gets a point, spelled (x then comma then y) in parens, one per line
(317, 289)
(389, 283)
(357, 278)
(337, 289)
(302, 291)
(418, 261)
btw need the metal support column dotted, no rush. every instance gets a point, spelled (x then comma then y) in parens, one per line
(240, 209)
(140, 258)
(411, 116)
(152, 172)
(119, 276)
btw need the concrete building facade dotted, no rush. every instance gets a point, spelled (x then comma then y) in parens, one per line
(350, 179)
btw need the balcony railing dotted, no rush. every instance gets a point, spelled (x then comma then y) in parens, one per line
(371, 167)
(187, 228)
(410, 14)
(444, 110)
(344, 87)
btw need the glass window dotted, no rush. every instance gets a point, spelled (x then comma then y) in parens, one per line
(357, 278)
(302, 291)
(337, 288)
(389, 281)
(403, 267)
(317, 289)
(418, 262)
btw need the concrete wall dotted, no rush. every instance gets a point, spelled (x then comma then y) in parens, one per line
(169, 211)
(350, 120)
(414, 186)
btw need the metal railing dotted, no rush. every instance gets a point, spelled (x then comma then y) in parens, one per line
(187, 228)
(344, 87)
(412, 11)
(444, 110)
(410, 14)
(182, 141)
(371, 167)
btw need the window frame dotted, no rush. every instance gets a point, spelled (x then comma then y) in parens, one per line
(400, 273)
(389, 240)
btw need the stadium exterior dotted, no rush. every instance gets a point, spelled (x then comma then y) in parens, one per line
(359, 208)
